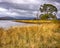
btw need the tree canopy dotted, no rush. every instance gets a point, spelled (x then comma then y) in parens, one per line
(48, 11)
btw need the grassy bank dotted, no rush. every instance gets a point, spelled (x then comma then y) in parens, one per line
(39, 36)
(38, 21)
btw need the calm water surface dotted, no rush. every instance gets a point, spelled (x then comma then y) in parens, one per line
(8, 23)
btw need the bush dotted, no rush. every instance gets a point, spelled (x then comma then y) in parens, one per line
(44, 16)
(48, 17)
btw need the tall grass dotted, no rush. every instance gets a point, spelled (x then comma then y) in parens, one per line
(39, 36)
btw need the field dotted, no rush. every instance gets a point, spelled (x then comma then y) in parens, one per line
(45, 35)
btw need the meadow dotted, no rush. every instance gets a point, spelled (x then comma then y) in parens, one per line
(45, 35)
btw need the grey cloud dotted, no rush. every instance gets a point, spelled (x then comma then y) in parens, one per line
(23, 12)
(18, 8)
(56, 0)
(52, 0)
(30, 7)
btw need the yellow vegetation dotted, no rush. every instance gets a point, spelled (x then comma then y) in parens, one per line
(38, 21)
(39, 36)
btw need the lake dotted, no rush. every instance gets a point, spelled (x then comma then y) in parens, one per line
(9, 23)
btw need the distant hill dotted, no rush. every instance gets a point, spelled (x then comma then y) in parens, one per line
(7, 18)
(58, 18)
(16, 18)
(24, 18)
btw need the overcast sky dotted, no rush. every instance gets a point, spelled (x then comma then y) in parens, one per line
(27, 8)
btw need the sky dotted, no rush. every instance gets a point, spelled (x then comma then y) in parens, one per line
(28, 8)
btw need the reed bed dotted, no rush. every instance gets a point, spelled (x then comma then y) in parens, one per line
(39, 36)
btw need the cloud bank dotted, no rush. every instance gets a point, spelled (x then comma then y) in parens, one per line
(24, 7)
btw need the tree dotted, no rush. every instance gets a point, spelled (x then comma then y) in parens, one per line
(48, 10)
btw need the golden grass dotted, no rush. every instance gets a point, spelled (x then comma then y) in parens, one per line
(38, 21)
(39, 36)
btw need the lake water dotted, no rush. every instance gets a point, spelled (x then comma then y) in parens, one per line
(8, 23)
